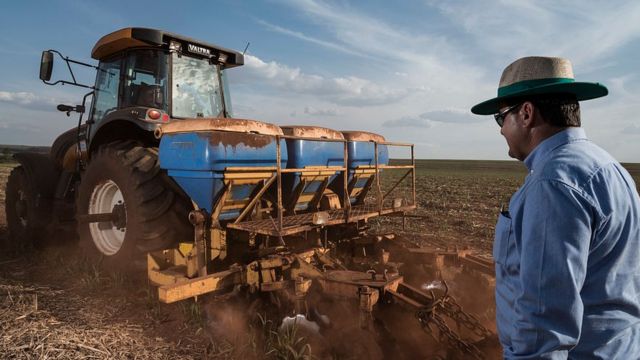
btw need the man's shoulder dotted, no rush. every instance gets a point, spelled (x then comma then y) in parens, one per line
(575, 163)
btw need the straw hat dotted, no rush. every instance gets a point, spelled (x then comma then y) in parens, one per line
(536, 75)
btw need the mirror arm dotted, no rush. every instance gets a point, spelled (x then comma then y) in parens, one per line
(68, 62)
(69, 83)
(66, 59)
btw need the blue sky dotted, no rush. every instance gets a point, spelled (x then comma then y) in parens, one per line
(409, 70)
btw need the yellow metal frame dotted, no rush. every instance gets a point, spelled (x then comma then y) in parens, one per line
(184, 272)
(307, 176)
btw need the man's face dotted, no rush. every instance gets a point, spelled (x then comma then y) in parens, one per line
(149, 96)
(513, 132)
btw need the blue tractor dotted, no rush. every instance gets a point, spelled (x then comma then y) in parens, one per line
(161, 174)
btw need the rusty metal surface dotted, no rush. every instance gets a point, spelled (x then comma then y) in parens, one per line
(346, 283)
(315, 132)
(362, 136)
(298, 223)
(221, 124)
(480, 264)
(220, 281)
(233, 139)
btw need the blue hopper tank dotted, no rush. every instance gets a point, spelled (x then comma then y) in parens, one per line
(361, 164)
(361, 149)
(303, 190)
(198, 153)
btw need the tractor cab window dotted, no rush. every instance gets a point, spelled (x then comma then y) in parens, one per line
(195, 88)
(146, 79)
(107, 86)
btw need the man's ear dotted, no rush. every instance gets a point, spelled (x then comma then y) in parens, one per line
(527, 111)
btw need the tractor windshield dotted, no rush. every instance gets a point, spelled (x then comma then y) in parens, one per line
(196, 88)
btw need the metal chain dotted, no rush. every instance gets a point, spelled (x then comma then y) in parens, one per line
(453, 310)
(428, 316)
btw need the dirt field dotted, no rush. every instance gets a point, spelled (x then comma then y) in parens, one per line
(56, 304)
(458, 201)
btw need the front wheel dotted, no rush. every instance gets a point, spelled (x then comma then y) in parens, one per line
(140, 211)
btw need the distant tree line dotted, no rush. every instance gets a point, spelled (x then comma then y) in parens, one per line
(5, 155)
(7, 151)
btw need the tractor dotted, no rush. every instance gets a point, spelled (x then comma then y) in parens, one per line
(160, 174)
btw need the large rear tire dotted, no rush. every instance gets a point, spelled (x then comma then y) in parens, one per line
(22, 215)
(125, 178)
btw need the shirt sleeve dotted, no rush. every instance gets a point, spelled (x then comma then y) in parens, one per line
(555, 235)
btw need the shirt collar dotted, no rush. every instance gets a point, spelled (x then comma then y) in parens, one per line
(537, 156)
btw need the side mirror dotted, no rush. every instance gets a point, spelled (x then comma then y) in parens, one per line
(46, 65)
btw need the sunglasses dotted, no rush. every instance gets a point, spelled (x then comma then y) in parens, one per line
(503, 114)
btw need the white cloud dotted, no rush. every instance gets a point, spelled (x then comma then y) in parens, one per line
(455, 116)
(582, 31)
(394, 42)
(619, 86)
(631, 129)
(452, 116)
(347, 91)
(430, 61)
(12, 126)
(457, 62)
(309, 110)
(369, 35)
(408, 121)
(21, 98)
(361, 92)
(273, 74)
(240, 110)
(301, 36)
(28, 100)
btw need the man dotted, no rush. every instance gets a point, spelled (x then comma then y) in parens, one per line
(567, 250)
(148, 95)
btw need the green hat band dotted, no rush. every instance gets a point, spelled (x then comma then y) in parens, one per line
(528, 84)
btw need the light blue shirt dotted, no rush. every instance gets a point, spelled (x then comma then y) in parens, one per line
(567, 256)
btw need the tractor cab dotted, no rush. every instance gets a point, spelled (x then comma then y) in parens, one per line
(147, 77)
(166, 75)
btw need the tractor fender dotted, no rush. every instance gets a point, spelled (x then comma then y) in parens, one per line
(115, 128)
(43, 177)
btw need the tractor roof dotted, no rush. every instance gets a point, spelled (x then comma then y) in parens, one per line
(141, 37)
